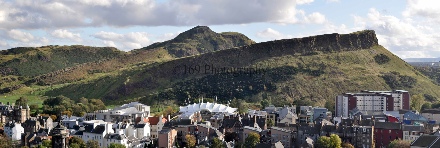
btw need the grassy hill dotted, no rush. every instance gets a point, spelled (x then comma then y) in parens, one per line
(200, 40)
(314, 68)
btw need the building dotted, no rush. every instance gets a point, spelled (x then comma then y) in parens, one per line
(204, 111)
(370, 102)
(431, 115)
(282, 135)
(247, 130)
(363, 137)
(13, 130)
(167, 138)
(59, 137)
(287, 116)
(156, 124)
(426, 141)
(125, 113)
(11, 112)
(412, 132)
(385, 132)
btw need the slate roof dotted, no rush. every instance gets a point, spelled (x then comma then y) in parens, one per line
(413, 116)
(425, 140)
(432, 111)
(139, 125)
(99, 129)
(88, 127)
(115, 136)
(413, 128)
(263, 145)
(388, 125)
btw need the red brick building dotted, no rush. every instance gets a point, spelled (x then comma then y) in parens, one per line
(385, 132)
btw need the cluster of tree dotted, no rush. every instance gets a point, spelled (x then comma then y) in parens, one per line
(430, 71)
(251, 141)
(233, 85)
(5, 142)
(397, 81)
(329, 142)
(61, 104)
(381, 59)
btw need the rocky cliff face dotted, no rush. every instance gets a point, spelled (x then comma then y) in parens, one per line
(246, 55)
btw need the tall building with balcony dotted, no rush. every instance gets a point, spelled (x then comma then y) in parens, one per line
(370, 102)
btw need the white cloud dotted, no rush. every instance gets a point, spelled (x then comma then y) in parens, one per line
(3, 43)
(403, 36)
(301, 2)
(166, 36)
(24, 14)
(20, 35)
(65, 34)
(128, 41)
(315, 17)
(332, 1)
(271, 34)
(423, 8)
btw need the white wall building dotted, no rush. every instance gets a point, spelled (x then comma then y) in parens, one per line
(13, 130)
(125, 113)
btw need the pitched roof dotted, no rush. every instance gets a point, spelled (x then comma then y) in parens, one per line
(388, 125)
(153, 120)
(99, 129)
(413, 128)
(432, 111)
(425, 140)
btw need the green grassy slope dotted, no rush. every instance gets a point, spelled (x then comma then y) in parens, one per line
(293, 69)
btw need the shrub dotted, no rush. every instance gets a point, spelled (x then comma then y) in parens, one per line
(381, 59)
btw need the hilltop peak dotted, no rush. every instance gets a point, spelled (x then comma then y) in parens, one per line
(201, 39)
(196, 31)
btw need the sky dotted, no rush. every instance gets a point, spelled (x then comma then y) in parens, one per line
(409, 28)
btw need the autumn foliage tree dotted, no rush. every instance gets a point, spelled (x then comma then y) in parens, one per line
(252, 140)
(329, 142)
(190, 141)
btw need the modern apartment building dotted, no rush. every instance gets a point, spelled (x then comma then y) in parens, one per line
(370, 102)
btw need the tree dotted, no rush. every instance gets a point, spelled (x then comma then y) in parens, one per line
(238, 144)
(217, 143)
(398, 143)
(33, 107)
(240, 105)
(430, 98)
(252, 140)
(77, 142)
(270, 123)
(417, 102)
(46, 143)
(190, 140)
(5, 142)
(330, 105)
(54, 117)
(75, 145)
(427, 105)
(347, 145)
(329, 142)
(116, 145)
(265, 103)
(168, 111)
(92, 144)
(22, 101)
